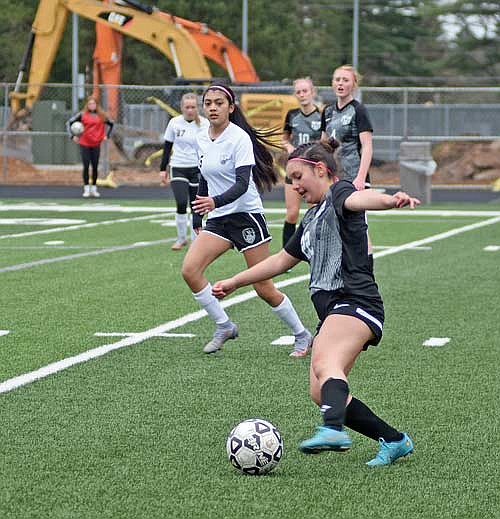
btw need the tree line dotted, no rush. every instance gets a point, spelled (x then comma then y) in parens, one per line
(422, 42)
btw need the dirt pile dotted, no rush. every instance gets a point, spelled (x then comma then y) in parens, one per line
(472, 163)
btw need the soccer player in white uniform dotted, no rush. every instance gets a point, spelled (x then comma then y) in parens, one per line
(180, 169)
(234, 165)
(332, 239)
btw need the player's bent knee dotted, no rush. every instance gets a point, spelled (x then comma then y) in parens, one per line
(267, 291)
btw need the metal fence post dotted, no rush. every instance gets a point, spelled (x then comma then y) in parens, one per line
(405, 113)
(4, 139)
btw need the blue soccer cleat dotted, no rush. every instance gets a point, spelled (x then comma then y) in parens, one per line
(390, 452)
(326, 439)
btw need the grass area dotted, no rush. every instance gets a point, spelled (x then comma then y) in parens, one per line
(140, 432)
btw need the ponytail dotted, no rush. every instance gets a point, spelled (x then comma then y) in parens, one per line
(264, 174)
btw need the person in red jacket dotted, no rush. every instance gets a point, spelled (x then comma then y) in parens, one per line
(94, 120)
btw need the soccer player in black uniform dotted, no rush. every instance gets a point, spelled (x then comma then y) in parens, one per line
(347, 121)
(302, 125)
(332, 239)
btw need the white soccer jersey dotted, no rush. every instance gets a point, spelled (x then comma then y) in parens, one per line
(183, 134)
(218, 162)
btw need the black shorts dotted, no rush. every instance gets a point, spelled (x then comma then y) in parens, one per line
(368, 310)
(243, 230)
(189, 175)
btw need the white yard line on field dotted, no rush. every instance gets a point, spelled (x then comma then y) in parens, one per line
(95, 252)
(131, 334)
(85, 208)
(116, 208)
(50, 369)
(82, 226)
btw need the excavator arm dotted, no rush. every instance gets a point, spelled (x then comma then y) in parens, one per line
(151, 28)
(220, 49)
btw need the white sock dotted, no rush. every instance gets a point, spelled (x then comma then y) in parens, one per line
(190, 223)
(181, 224)
(86, 188)
(286, 312)
(211, 305)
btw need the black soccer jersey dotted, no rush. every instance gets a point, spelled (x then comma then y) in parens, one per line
(333, 240)
(301, 127)
(345, 125)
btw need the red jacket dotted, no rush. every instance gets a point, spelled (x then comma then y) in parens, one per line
(94, 132)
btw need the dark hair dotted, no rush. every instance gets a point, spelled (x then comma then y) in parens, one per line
(318, 151)
(264, 174)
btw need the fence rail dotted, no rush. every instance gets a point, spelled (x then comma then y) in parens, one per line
(434, 114)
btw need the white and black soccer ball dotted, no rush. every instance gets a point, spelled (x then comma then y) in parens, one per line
(76, 128)
(254, 446)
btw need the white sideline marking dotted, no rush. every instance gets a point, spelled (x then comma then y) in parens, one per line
(119, 334)
(4, 332)
(492, 248)
(95, 252)
(54, 242)
(96, 208)
(391, 246)
(55, 367)
(284, 340)
(76, 227)
(436, 341)
(87, 208)
(437, 237)
(40, 221)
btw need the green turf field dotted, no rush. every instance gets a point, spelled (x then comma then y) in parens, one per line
(134, 424)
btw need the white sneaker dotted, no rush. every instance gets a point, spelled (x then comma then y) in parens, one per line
(86, 191)
(94, 192)
(221, 335)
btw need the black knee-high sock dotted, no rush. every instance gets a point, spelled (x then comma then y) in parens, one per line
(360, 418)
(288, 230)
(334, 393)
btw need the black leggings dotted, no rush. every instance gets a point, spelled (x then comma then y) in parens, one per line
(185, 186)
(90, 155)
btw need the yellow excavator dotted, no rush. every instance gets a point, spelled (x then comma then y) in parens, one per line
(186, 44)
(151, 28)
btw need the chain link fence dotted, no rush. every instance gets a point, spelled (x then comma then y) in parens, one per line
(37, 136)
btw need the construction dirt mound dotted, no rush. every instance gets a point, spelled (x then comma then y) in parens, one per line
(458, 163)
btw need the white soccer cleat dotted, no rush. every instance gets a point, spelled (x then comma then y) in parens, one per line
(221, 335)
(303, 342)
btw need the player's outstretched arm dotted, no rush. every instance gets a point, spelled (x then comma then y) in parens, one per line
(266, 269)
(371, 200)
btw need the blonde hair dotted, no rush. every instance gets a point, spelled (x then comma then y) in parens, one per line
(356, 75)
(190, 95)
(306, 78)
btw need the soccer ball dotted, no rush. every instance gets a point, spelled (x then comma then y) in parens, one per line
(77, 128)
(254, 446)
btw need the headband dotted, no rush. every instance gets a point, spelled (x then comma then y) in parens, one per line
(225, 90)
(314, 163)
